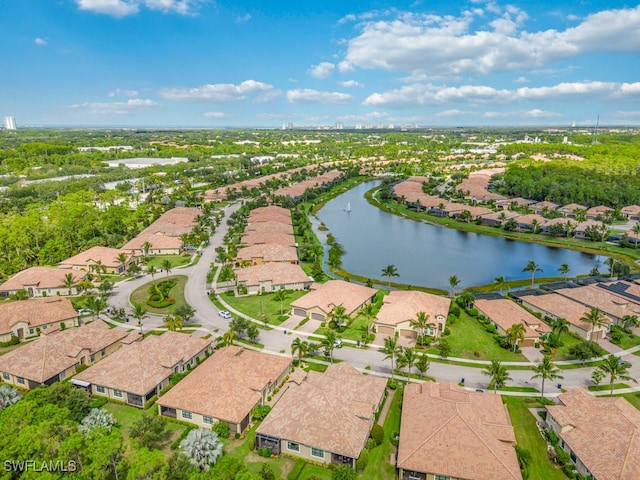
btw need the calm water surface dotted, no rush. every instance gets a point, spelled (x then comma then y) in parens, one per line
(428, 255)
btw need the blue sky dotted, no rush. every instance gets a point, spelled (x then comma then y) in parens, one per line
(205, 63)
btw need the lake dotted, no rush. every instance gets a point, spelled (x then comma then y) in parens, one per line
(428, 255)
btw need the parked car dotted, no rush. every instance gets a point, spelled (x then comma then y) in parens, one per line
(338, 343)
(224, 314)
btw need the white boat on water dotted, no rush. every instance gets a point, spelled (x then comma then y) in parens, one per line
(348, 209)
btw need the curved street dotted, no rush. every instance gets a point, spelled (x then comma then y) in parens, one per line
(278, 340)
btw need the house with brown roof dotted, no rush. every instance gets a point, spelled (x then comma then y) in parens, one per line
(26, 318)
(226, 387)
(270, 226)
(497, 219)
(556, 306)
(601, 435)
(139, 371)
(400, 307)
(174, 222)
(270, 277)
(582, 228)
(561, 223)
(514, 203)
(570, 210)
(447, 432)
(42, 281)
(631, 212)
(600, 211)
(530, 222)
(323, 297)
(323, 417)
(267, 253)
(57, 353)
(470, 212)
(268, 214)
(161, 244)
(542, 208)
(94, 258)
(505, 313)
(261, 238)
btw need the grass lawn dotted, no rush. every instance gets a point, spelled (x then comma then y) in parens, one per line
(562, 353)
(141, 294)
(252, 305)
(632, 398)
(528, 437)
(606, 387)
(176, 260)
(469, 337)
(629, 341)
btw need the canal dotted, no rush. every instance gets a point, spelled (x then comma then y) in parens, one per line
(428, 255)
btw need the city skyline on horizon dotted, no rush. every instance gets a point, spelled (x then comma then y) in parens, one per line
(157, 63)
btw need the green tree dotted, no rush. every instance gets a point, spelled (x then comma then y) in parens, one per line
(391, 351)
(615, 369)
(338, 314)
(564, 270)
(560, 326)
(329, 344)
(611, 263)
(407, 359)
(122, 259)
(454, 281)
(203, 447)
(229, 337)
(390, 271)
(444, 348)
(500, 282)
(300, 347)
(546, 370)
(423, 364)
(595, 318)
(173, 323)
(515, 334)
(498, 373)
(343, 472)
(252, 332)
(139, 313)
(281, 296)
(146, 248)
(96, 304)
(185, 311)
(151, 270)
(167, 266)
(145, 464)
(532, 267)
(69, 282)
(148, 430)
(420, 323)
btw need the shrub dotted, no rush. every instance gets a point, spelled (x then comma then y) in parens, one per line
(182, 436)
(260, 412)
(12, 341)
(296, 470)
(362, 461)
(264, 452)
(99, 402)
(395, 439)
(371, 444)
(81, 368)
(333, 325)
(236, 436)
(377, 433)
(149, 403)
(491, 328)
(551, 436)
(222, 429)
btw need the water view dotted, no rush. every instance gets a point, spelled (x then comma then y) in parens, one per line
(428, 255)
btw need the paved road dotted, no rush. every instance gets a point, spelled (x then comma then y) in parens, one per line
(279, 339)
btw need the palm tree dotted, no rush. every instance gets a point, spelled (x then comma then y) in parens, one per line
(280, 296)
(532, 267)
(338, 314)
(560, 326)
(146, 248)
(420, 323)
(369, 311)
(229, 337)
(422, 364)
(173, 323)
(96, 304)
(632, 320)
(391, 351)
(498, 373)
(139, 313)
(612, 263)
(615, 369)
(100, 269)
(546, 370)
(595, 318)
(564, 270)
(390, 271)
(69, 281)
(166, 266)
(453, 282)
(203, 447)
(151, 270)
(407, 358)
(636, 230)
(122, 259)
(515, 333)
(329, 344)
(500, 282)
(300, 347)
(8, 396)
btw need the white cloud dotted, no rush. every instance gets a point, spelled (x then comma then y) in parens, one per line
(429, 94)
(322, 70)
(221, 92)
(446, 45)
(213, 114)
(350, 84)
(40, 41)
(267, 96)
(533, 113)
(119, 92)
(115, 108)
(521, 80)
(122, 8)
(243, 18)
(307, 96)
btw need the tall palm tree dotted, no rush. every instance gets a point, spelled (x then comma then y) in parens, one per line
(391, 351)
(407, 358)
(390, 271)
(498, 373)
(338, 314)
(96, 304)
(139, 313)
(151, 270)
(515, 333)
(300, 347)
(422, 364)
(280, 296)
(545, 369)
(612, 264)
(532, 267)
(69, 281)
(166, 266)
(560, 326)
(122, 259)
(146, 248)
(369, 311)
(500, 282)
(615, 369)
(203, 447)
(229, 337)
(329, 344)
(636, 230)
(173, 323)
(564, 270)
(420, 323)
(595, 318)
(454, 281)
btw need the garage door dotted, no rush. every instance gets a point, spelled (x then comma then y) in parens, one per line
(386, 330)
(408, 334)
(527, 342)
(301, 312)
(317, 316)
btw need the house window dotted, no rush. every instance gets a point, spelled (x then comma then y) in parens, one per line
(62, 375)
(186, 415)
(103, 352)
(415, 476)
(207, 420)
(20, 380)
(293, 446)
(316, 452)
(31, 331)
(117, 393)
(92, 358)
(99, 389)
(443, 477)
(5, 376)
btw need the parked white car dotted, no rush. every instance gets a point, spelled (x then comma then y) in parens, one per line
(224, 314)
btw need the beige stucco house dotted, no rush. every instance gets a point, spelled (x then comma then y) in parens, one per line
(26, 318)
(42, 282)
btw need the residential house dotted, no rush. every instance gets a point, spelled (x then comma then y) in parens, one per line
(270, 213)
(530, 222)
(556, 306)
(470, 213)
(601, 435)
(505, 313)
(631, 212)
(226, 387)
(599, 212)
(160, 244)
(270, 277)
(562, 224)
(570, 210)
(514, 203)
(323, 297)
(27, 318)
(582, 228)
(260, 238)
(42, 282)
(99, 260)
(542, 208)
(270, 226)
(497, 219)
(447, 432)
(323, 417)
(296, 190)
(267, 253)
(400, 307)
(139, 371)
(57, 353)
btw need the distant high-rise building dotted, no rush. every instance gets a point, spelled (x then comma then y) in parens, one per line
(339, 126)
(10, 123)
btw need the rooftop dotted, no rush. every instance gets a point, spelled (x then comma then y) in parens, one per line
(400, 306)
(506, 313)
(41, 277)
(325, 296)
(35, 312)
(104, 255)
(258, 238)
(560, 307)
(269, 252)
(276, 273)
